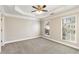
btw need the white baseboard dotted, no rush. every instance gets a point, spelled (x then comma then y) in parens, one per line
(20, 39)
(73, 46)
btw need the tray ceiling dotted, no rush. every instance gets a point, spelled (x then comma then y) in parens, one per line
(25, 10)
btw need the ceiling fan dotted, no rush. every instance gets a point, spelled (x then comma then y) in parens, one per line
(39, 8)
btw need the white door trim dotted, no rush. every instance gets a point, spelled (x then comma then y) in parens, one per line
(2, 33)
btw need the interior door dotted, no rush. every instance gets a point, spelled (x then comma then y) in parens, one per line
(0, 32)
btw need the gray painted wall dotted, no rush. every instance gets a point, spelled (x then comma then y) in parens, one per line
(18, 28)
(55, 25)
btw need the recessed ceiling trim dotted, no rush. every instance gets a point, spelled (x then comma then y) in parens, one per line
(22, 17)
(65, 13)
(26, 10)
(64, 10)
(23, 13)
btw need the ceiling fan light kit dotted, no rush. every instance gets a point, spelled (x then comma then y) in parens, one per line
(39, 12)
(39, 9)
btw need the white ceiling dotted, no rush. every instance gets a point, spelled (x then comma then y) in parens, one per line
(25, 10)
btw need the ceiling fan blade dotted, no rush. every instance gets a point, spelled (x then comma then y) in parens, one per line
(34, 7)
(45, 10)
(34, 11)
(44, 6)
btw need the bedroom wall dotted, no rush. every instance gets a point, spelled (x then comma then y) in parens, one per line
(55, 27)
(19, 28)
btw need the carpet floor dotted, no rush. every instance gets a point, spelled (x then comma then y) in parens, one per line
(37, 46)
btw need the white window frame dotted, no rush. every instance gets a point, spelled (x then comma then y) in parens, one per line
(75, 28)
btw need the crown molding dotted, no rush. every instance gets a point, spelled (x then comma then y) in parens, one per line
(63, 13)
(23, 13)
(21, 17)
(33, 17)
(67, 12)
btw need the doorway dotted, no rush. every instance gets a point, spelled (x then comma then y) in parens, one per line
(1, 31)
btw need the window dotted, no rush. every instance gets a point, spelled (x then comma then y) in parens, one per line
(69, 28)
(47, 28)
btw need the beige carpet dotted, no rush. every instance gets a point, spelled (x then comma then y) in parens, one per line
(37, 46)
